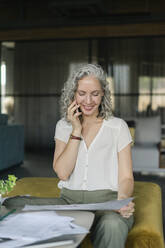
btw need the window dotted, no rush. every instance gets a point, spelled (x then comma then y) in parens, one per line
(3, 86)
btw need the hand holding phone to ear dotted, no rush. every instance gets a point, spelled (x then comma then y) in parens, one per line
(73, 116)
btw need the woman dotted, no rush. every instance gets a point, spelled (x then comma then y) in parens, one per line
(93, 154)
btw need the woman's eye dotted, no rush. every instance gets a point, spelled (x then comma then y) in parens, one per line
(81, 94)
(95, 94)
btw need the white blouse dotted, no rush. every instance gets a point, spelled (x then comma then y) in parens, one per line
(96, 167)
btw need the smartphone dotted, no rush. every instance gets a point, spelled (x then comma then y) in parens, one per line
(77, 110)
(80, 116)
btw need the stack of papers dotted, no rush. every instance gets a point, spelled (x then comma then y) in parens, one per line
(30, 227)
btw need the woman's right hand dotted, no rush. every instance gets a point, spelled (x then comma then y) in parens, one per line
(73, 116)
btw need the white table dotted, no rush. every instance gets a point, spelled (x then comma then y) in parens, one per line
(82, 218)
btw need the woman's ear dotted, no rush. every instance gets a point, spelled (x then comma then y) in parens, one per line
(73, 98)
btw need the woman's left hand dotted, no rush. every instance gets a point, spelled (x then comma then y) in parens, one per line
(127, 210)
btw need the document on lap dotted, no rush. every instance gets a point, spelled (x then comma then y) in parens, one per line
(109, 205)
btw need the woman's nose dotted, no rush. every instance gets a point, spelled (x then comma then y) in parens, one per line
(88, 99)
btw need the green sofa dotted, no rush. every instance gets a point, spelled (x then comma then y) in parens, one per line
(11, 143)
(147, 231)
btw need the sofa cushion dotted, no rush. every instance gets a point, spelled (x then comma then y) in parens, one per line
(132, 131)
(145, 157)
(3, 119)
(11, 145)
(148, 130)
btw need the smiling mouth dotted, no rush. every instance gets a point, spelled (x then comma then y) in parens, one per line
(88, 108)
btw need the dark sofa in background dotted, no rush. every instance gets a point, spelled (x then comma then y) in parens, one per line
(11, 143)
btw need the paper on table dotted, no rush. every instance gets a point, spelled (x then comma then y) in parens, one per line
(37, 226)
(109, 205)
(14, 243)
(20, 243)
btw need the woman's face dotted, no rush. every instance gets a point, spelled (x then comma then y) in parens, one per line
(88, 95)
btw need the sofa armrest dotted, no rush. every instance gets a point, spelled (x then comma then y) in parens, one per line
(148, 228)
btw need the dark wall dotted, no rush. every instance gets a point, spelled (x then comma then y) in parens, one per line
(41, 68)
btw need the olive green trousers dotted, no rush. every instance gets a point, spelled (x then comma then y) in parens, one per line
(109, 229)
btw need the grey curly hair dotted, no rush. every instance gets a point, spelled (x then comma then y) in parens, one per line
(70, 87)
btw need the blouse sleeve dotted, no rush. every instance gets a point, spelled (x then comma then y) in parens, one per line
(62, 131)
(124, 137)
